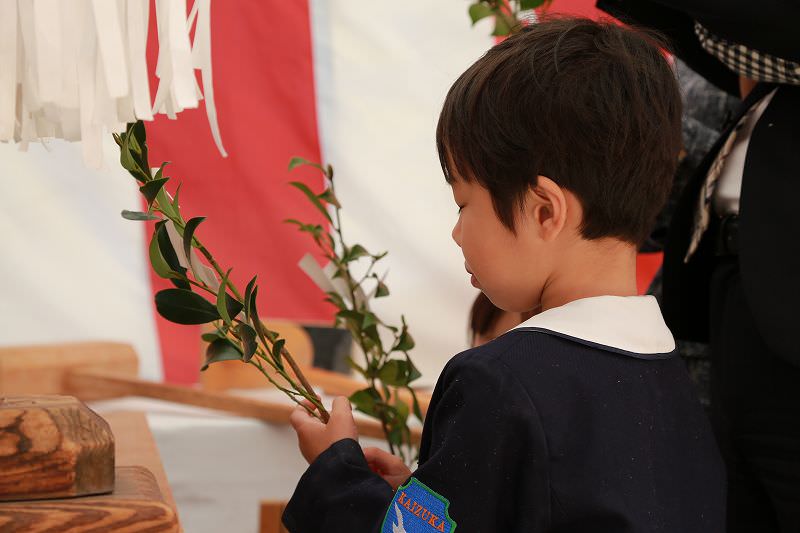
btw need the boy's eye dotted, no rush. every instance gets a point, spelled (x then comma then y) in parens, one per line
(460, 208)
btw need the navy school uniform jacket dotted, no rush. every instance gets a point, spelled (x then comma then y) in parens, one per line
(581, 419)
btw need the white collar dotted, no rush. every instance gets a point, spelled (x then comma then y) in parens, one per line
(629, 324)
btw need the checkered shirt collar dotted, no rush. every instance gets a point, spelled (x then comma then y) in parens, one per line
(748, 62)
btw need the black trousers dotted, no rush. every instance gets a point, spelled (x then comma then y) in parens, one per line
(755, 398)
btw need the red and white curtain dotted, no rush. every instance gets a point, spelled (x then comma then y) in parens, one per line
(358, 85)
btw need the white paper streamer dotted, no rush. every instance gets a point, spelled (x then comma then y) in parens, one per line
(8, 68)
(323, 278)
(201, 271)
(78, 70)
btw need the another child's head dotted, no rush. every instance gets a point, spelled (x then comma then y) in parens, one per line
(561, 141)
(487, 321)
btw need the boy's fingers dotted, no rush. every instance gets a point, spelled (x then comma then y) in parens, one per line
(341, 406)
(299, 417)
(373, 454)
(383, 459)
(307, 403)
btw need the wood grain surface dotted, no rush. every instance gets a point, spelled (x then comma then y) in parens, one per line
(136, 505)
(53, 447)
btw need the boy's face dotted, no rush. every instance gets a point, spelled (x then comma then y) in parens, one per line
(510, 269)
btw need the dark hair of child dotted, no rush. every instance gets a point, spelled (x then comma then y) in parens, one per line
(599, 113)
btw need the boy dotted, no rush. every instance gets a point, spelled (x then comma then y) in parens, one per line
(560, 145)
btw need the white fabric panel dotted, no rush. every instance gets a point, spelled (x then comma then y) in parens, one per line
(73, 268)
(381, 76)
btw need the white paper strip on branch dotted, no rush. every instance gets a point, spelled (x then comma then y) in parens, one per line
(78, 70)
(325, 280)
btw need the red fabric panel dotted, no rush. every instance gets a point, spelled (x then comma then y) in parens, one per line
(647, 266)
(583, 8)
(264, 91)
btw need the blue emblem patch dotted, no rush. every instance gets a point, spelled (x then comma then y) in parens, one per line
(417, 509)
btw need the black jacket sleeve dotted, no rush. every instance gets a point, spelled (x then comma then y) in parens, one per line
(482, 466)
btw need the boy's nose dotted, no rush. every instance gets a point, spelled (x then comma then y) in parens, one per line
(456, 234)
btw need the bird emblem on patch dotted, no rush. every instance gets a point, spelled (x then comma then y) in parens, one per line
(416, 508)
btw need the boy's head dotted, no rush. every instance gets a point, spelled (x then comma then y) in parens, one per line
(566, 133)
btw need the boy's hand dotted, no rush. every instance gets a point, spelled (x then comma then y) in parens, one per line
(390, 467)
(314, 437)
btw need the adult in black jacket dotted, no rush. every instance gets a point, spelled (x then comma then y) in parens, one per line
(740, 287)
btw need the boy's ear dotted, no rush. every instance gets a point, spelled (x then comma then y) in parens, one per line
(547, 206)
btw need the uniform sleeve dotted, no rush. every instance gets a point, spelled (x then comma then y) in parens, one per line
(483, 467)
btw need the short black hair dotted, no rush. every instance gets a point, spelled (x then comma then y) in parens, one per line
(594, 106)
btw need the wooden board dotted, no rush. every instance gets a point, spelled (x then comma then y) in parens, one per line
(41, 369)
(136, 505)
(53, 447)
(135, 446)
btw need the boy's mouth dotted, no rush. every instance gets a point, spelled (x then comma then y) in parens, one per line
(472, 279)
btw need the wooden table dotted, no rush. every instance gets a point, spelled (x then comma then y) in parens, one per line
(135, 446)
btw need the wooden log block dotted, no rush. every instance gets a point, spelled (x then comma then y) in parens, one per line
(53, 447)
(136, 505)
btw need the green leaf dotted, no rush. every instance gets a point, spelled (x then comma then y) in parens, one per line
(415, 405)
(356, 252)
(211, 337)
(405, 342)
(176, 206)
(260, 329)
(402, 411)
(336, 299)
(221, 350)
(277, 348)
(329, 197)
(394, 372)
(133, 152)
(222, 299)
(150, 189)
(160, 171)
(372, 334)
(157, 260)
(354, 318)
(228, 307)
(302, 187)
(248, 296)
(352, 364)
(413, 373)
(501, 27)
(138, 215)
(530, 4)
(479, 11)
(139, 133)
(369, 320)
(188, 234)
(365, 400)
(248, 336)
(185, 307)
(167, 251)
(300, 161)
(126, 160)
(382, 290)
(396, 435)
